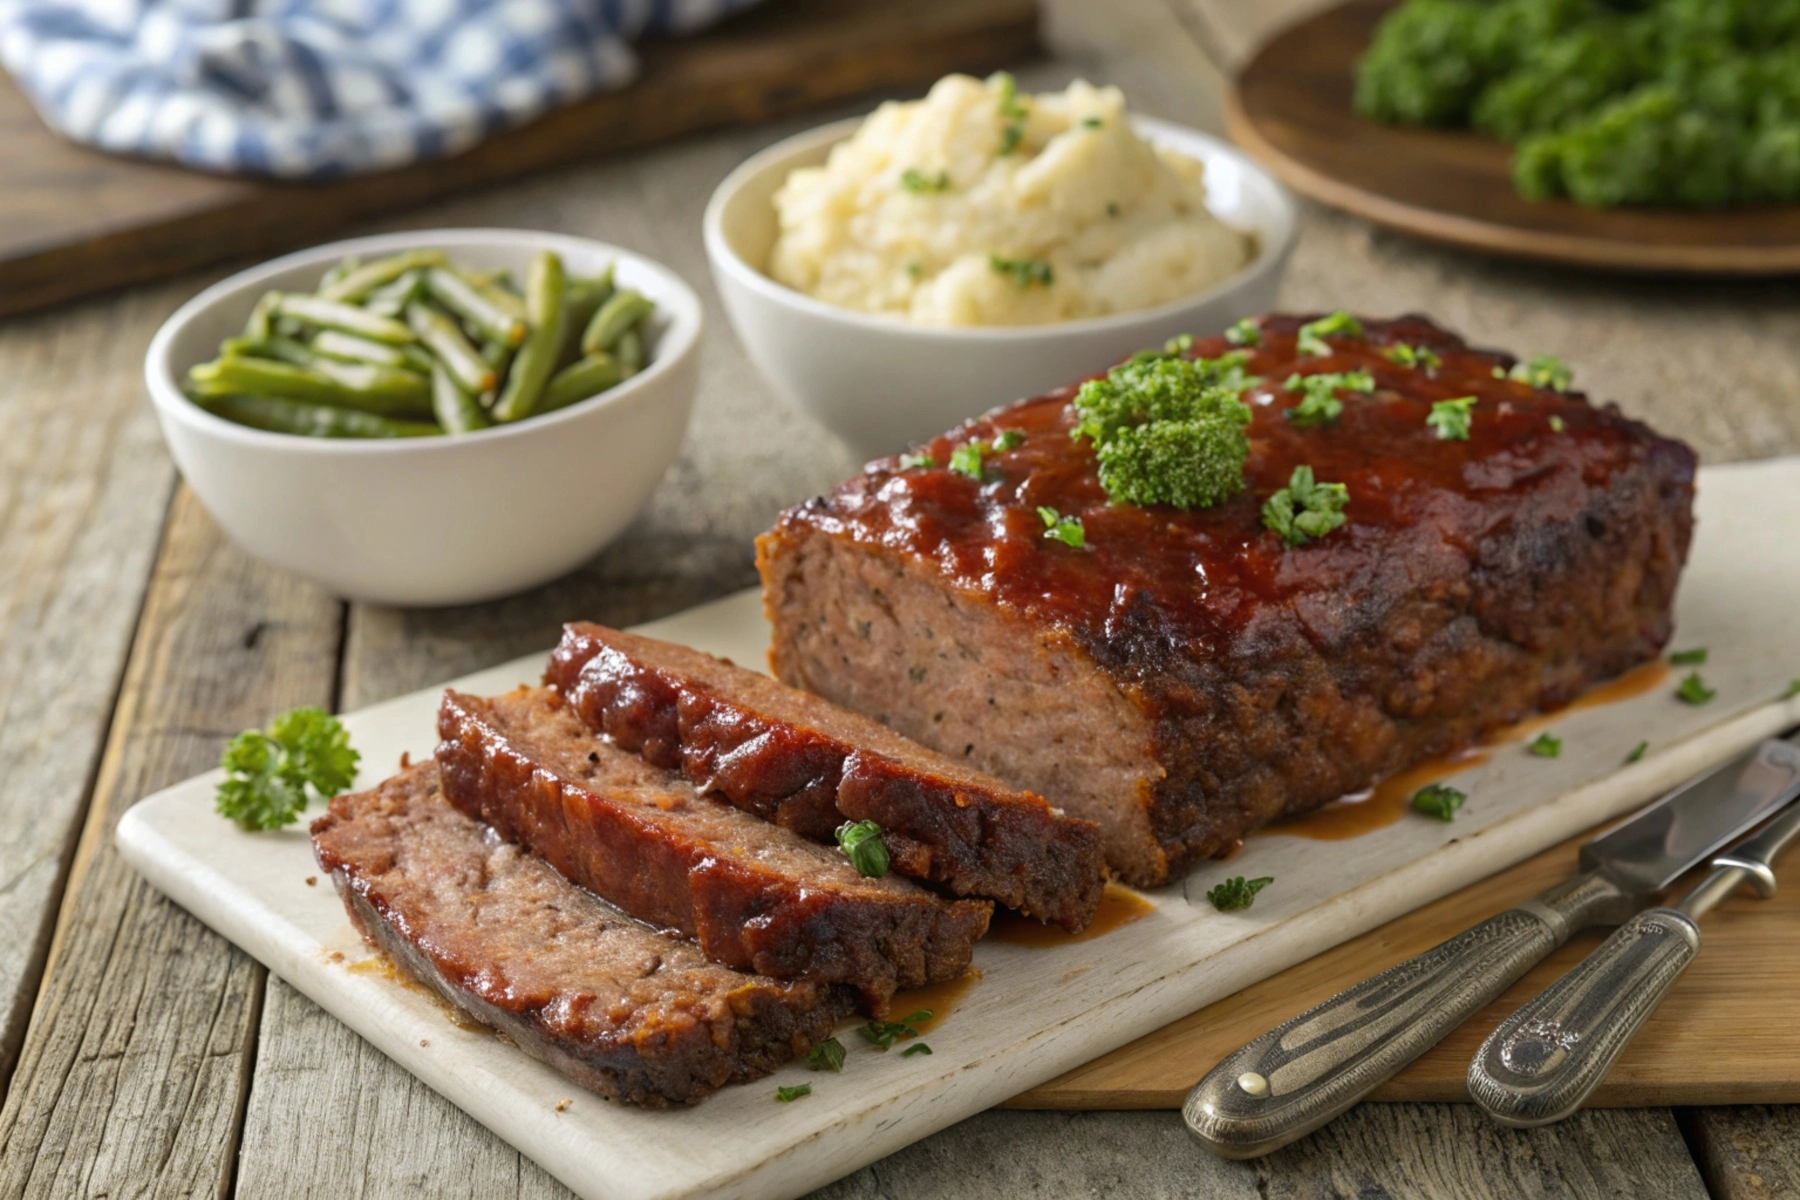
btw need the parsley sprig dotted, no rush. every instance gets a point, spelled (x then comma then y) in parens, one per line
(1439, 800)
(273, 772)
(1693, 690)
(1312, 335)
(828, 1055)
(1319, 404)
(861, 843)
(1305, 508)
(885, 1033)
(1067, 530)
(966, 458)
(1237, 894)
(1452, 418)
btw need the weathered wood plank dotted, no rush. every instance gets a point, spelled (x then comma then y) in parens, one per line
(83, 492)
(136, 1060)
(1750, 1153)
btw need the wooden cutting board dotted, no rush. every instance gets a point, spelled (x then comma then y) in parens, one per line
(1726, 1034)
(74, 222)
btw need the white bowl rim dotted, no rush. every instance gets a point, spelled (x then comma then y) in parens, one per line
(719, 249)
(677, 343)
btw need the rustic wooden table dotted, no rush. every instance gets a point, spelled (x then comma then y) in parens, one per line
(140, 1054)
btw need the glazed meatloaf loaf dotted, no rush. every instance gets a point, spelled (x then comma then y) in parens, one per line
(1185, 675)
(620, 1008)
(800, 761)
(753, 895)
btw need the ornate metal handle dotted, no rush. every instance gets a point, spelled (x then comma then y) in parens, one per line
(1298, 1076)
(1546, 1058)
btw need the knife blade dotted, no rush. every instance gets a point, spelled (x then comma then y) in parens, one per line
(1305, 1072)
(1543, 1062)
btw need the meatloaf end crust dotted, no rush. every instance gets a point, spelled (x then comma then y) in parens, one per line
(754, 895)
(620, 1008)
(1184, 678)
(801, 761)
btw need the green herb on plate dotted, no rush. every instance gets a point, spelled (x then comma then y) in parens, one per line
(1689, 658)
(915, 1048)
(1238, 893)
(1637, 752)
(885, 1033)
(272, 773)
(1693, 690)
(1438, 800)
(1304, 508)
(828, 1055)
(1544, 745)
(792, 1092)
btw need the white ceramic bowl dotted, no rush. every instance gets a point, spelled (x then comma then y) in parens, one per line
(430, 521)
(882, 383)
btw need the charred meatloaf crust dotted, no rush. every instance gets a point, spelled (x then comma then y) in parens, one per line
(616, 1006)
(754, 895)
(1184, 677)
(801, 761)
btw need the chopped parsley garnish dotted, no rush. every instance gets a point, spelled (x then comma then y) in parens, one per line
(1319, 404)
(273, 772)
(1452, 418)
(1305, 508)
(918, 182)
(915, 1048)
(885, 1033)
(1112, 208)
(1066, 530)
(1237, 894)
(1175, 347)
(828, 1055)
(1423, 357)
(912, 462)
(966, 458)
(1545, 746)
(1013, 109)
(1244, 333)
(1543, 371)
(1009, 439)
(1689, 658)
(1693, 690)
(1091, 122)
(1313, 333)
(1637, 752)
(1167, 429)
(793, 1092)
(861, 843)
(1024, 272)
(915, 268)
(1557, 424)
(1438, 800)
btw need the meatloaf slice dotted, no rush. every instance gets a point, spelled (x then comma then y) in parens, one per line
(801, 761)
(1184, 677)
(754, 895)
(618, 1007)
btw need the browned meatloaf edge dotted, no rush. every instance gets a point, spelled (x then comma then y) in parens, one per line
(618, 1007)
(1184, 677)
(803, 762)
(753, 895)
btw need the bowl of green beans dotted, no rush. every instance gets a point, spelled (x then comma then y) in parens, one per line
(434, 417)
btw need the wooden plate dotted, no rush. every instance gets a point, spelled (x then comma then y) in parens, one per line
(1291, 109)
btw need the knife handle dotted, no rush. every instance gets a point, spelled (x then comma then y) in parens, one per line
(1300, 1075)
(1546, 1058)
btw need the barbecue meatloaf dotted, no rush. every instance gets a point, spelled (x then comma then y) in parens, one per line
(618, 1007)
(754, 895)
(1185, 676)
(800, 761)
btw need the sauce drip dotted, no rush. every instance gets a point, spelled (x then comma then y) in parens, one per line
(1389, 800)
(941, 999)
(1118, 907)
(384, 967)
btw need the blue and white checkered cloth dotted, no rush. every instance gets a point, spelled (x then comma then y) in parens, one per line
(318, 88)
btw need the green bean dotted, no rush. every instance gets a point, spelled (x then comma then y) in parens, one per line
(391, 299)
(351, 373)
(347, 347)
(357, 284)
(583, 299)
(311, 420)
(457, 411)
(468, 302)
(629, 350)
(280, 349)
(338, 270)
(586, 378)
(444, 339)
(328, 314)
(258, 324)
(384, 391)
(536, 358)
(621, 311)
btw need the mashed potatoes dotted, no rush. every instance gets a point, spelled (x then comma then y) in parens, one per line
(978, 206)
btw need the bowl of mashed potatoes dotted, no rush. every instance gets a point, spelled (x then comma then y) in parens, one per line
(895, 274)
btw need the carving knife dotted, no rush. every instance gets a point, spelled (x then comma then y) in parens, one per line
(1300, 1075)
(1544, 1060)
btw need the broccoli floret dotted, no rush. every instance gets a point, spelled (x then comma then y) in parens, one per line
(1190, 464)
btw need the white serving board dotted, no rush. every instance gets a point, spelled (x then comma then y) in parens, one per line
(1035, 1012)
